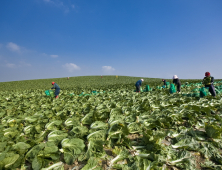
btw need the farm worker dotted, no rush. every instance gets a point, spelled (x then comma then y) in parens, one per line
(116, 76)
(67, 78)
(208, 81)
(164, 82)
(138, 84)
(177, 82)
(101, 76)
(57, 89)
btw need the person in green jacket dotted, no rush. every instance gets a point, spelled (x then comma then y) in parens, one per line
(208, 81)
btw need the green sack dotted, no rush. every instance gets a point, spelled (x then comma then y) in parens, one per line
(203, 91)
(49, 93)
(147, 88)
(167, 84)
(172, 89)
(141, 89)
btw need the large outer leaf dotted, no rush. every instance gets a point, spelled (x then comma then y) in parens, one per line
(87, 119)
(34, 151)
(57, 136)
(53, 125)
(10, 159)
(187, 143)
(50, 148)
(72, 122)
(69, 157)
(80, 131)
(72, 149)
(95, 149)
(37, 163)
(2, 146)
(97, 135)
(99, 125)
(75, 144)
(213, 131)
(21, 147)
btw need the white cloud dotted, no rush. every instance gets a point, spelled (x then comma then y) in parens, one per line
(71, 67)
(13, 47)
(108, 68)
(54, 56)
(59, 4)
(10, 65)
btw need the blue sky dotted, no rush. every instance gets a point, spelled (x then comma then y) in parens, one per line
(148, 38)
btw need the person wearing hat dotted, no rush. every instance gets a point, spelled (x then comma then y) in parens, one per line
(57, 89)
(177, 82)
(138, 84)
(208, 81)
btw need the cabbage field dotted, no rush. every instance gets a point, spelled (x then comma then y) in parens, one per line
(114, 128)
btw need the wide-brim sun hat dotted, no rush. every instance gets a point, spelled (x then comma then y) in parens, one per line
(142, 79)
(175, 77)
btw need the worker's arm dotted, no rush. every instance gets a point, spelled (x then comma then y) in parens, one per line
(203, 82)
(212, 79)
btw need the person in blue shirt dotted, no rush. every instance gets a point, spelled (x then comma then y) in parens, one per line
(57, 89)
(138, 84)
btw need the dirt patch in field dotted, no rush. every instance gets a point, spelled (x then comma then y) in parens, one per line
(135, 136)
(75, 166)
(104, 164)
(198, 158)
(28, 165)
(108, 152)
